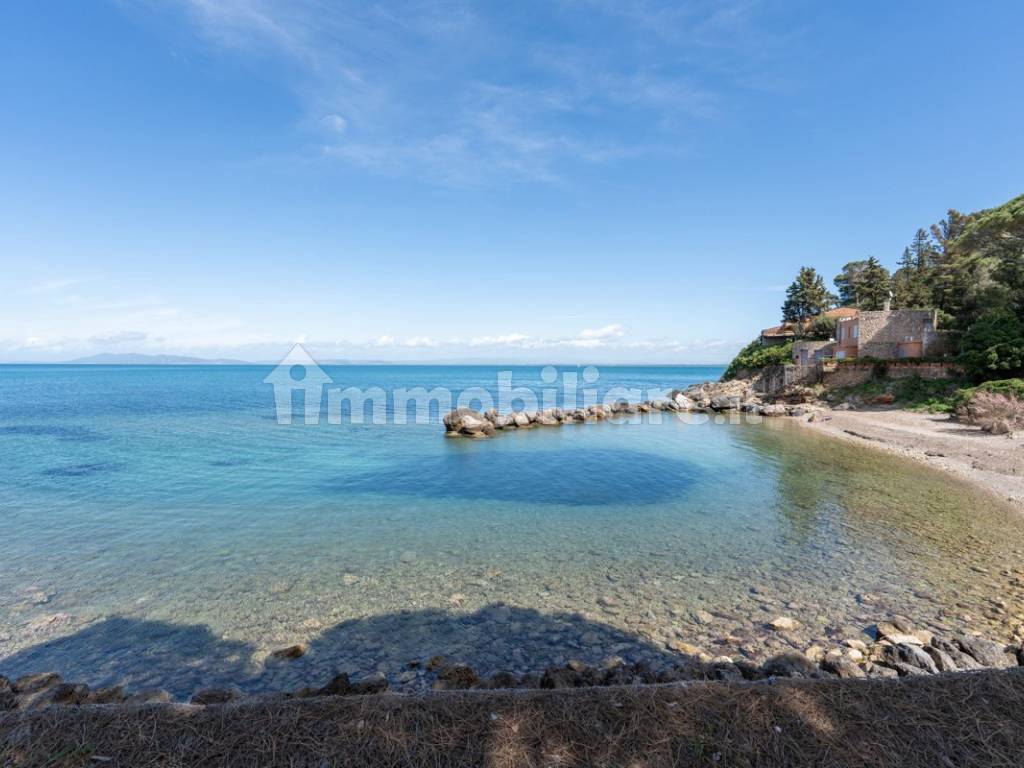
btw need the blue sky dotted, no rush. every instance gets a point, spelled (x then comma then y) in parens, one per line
(567, 180)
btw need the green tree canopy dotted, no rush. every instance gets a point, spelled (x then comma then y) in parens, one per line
(911, 283)
(864, 284)
(874, 286)
(993, 346)
(846, 282)
(806, 297)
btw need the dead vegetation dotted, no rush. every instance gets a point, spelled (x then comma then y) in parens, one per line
(995, 412)
(963, 719)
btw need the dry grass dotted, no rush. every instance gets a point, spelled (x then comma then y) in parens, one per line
(993, 412)
(965, 719)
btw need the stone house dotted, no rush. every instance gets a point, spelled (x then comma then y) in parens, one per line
(885, 334)
(890, 335)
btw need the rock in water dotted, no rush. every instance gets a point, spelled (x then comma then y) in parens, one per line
(842, 667)
(375, 683)
(291, 652)
(726, 402)
(905, 653)
(547, 418)
(149, 696)
(985, 652)
(520, 419)
(791, 664)
(455, 677)
(339, 685)
(36, 682)
(468, 423)
(215, 696)
(112, 694)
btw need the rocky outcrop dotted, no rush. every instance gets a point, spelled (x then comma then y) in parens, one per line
(709, 397)
(468, 423)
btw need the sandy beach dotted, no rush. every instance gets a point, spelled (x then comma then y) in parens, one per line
(994, 463)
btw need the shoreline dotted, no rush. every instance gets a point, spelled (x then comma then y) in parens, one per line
(991, 463)
(727, 647)
(889, 648)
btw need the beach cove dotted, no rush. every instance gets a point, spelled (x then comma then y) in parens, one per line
(178, 535)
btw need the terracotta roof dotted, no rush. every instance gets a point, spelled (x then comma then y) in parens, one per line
(779, 330)
(786, 329)
(839, 312)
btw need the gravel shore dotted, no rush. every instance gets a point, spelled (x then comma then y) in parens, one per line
(994, 463)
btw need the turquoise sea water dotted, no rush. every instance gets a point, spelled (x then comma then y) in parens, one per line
(160, 527)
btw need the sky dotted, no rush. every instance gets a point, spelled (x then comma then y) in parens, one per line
(575, 181)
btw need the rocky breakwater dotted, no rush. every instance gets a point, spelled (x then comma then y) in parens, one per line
(891, 648)
(709, 397)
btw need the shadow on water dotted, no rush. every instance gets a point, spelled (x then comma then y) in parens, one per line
(138, 654)
(83, 470)
(184, 658)
(573, 477)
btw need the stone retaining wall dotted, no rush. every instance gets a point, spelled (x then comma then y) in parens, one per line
(854, 374)
(776, 378)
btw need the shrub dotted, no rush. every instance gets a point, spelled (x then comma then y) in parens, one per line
(914, 393)
(994, 345)
(1008, 387)
(822, 328)
(933, 395)
(755, 355)
(993, 412)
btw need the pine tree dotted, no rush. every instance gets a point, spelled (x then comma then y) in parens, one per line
(944, 280)
(910, 284)
(864, 284)
(923, 251)
(806, 297)
(847, 280)
(874, 285)
(1009, 272)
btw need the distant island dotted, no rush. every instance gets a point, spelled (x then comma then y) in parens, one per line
(134, 358)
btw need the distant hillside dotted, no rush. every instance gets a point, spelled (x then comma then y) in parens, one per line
(138, 359)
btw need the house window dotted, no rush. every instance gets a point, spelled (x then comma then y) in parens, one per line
(856, 331)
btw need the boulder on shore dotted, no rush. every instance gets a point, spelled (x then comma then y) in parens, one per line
(519, 419)
(547, 418)
(466, 422)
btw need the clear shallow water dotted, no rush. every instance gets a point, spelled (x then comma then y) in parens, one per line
(161, 528)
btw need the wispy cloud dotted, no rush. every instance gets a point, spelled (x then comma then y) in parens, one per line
(611, 331)
(458, 91)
